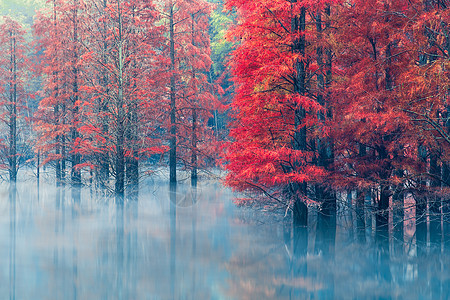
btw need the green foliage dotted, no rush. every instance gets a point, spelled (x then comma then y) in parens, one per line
(220, 48)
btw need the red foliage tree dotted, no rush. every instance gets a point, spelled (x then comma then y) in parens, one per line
(426, 91)
(13, 73)
(57, 30)
(191, 96)
(279, 74)
(123, 81)
(374, 134)
(391, 98)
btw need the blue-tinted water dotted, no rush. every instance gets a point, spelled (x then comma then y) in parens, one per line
(58, 245)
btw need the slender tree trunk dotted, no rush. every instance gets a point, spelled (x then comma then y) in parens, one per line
(194, 163)
(132, 162)
(325, 145)
(398, 199)
(434, 201)
(173, 128)
(383, 155)
(63, 146)
(382, 217)
(13, 114)
(360, 204)
(56, 107)
(76, 159)
(360, 216)
(38, 162)
(446, 164)
(120, 162)
(300, 210)
(104, 157)
(421, 202)
(58, 145)
(120, 135)
(132, 129)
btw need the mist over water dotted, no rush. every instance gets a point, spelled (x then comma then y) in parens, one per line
(189, 243)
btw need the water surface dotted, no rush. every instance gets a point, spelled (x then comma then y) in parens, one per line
(196, 244)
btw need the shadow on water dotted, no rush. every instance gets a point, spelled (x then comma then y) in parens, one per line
(120, 249)
(325, 243)
(173, 236)
(12, 240)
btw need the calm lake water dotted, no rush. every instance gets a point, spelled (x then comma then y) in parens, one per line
(188, 244)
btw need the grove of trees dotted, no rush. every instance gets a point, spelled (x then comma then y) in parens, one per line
(123, 82)
(323, 98)
(336, 97)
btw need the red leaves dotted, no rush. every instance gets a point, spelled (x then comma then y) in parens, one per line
(272, 107)
(390, 72)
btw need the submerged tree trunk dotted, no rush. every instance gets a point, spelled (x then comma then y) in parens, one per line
(421, 202)
(434, 201)
(446, 164)
(360, 204)
(398, 200)
(382, 216)
(360, 215)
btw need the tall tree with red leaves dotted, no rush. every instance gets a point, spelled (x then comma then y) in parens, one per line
(124, 80)
(13, 72)
(373, 133)
(278, 106)
(191, 96)
(58, 34)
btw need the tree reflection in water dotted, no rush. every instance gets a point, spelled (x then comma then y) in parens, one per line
(193, 243)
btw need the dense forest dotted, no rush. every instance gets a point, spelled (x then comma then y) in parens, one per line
(303, 103)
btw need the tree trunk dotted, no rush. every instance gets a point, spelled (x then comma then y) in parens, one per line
(421, 202)
(398, 199)
(300, 210)
(104, 157)
(446, 164)
(194, 165)
(360, 216)
(173, 128)
(63, 147)
(120, 161)
(325, 146)
(382, 217)
(13, 114)
(434, 201)
(76, 159)
(56, 107)
(132, 162)
(120, 134)
(38, 162)
(132, 137)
